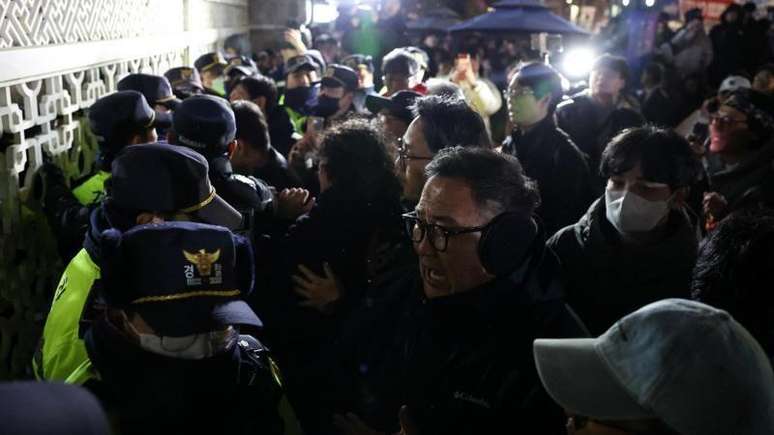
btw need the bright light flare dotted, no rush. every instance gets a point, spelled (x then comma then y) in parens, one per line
(324, 13)
(577, 62)
(625, 3)
(650, 3)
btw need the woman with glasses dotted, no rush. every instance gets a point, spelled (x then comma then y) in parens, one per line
(741, 136)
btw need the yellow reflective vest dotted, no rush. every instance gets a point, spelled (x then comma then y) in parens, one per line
(92, 189)
(62, 355)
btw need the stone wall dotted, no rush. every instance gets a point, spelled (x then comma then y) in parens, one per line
(58, 57)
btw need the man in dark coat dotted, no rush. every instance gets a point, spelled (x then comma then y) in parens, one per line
(453, 355)
(742, 136)
(635, 245)
(207, 125)
(254, 154)
(262, 91)
(593, 117)
(547, 154)
(728, 44)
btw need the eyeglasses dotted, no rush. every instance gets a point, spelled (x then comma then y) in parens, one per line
(726, 121)
(518, 92)
(404, 155)
(437, 236)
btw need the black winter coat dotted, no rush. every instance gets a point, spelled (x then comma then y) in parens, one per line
(549, 157)
(590, 126)
(462, 364)
(750, 183)
(280, 130)
(276, 172)
(146, 393)
(343, 229)
(607, 279)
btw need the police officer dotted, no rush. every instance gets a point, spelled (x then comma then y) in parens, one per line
(238, 67)
(206, 124)
(149, 183)
(157, 92)
(337, 93)
(301, 89)
(117, 120)
(185, 81)
(363, 65)
(169, 348)
(211, 67)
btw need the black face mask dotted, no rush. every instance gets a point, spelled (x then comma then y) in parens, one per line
(326, 106)
(300, 98)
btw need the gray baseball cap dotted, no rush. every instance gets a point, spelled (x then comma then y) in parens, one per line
(682, 362)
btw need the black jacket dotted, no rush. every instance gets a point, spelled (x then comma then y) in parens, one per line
(249, 195)
(658, 108)
(342, 229)
(550, 157)
(68, 218)
(463, 364)
(728, 45)
(280, 130)
(750, 183)
(145, 393)
(606, 279)
(276, 172)
(591, 126)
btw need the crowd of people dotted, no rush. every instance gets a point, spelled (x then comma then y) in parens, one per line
(335, 244)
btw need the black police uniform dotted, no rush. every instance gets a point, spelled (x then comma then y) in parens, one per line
(207, 125)
(185, 81)
(210, 61)
(233, 387)
(67, 210)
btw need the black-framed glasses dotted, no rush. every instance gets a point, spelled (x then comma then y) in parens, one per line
(438, 236)
(404, 154)
(725, 121)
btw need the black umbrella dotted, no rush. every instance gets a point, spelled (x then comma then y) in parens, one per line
(522, 16)
(435, 20)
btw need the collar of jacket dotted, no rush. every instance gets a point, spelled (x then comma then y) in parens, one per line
(594, 231)
(98, 223)
(220, 166)
(763, 156)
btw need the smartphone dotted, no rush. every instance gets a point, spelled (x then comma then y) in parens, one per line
(315, 124)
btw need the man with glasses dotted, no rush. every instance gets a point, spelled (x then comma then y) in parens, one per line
(488, 289)
(548, 155)
(450, 346)
(438, 123)
(741, 133)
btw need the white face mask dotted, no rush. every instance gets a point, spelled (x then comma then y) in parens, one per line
(197, 346)
(219, 85)
(631, 213)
